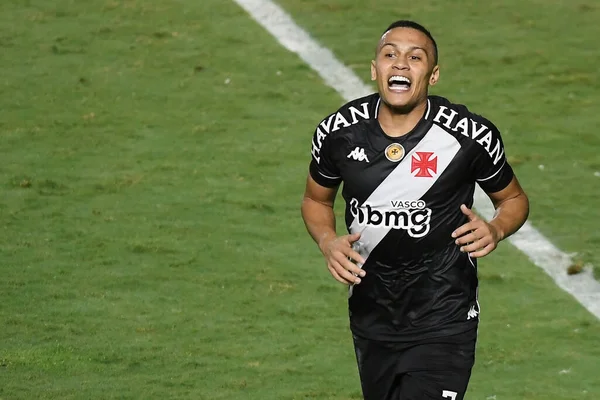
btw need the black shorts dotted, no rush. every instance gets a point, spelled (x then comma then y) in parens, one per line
(415, 371)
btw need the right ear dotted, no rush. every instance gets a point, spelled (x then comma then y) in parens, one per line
(373, 71)
(435, 75)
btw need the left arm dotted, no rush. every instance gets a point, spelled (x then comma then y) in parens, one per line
(479, 237)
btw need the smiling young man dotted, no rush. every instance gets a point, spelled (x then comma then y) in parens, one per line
(409, 163)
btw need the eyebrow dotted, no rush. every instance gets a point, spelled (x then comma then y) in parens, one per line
(411, 48)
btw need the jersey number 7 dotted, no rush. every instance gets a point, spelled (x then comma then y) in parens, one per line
(447, 394)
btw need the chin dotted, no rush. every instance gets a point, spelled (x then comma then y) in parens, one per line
(402, 102)
(403, 106)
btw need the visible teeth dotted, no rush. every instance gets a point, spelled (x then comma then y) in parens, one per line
(399, 79)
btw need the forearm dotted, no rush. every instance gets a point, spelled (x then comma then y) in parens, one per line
(319, 219)
(510, 215)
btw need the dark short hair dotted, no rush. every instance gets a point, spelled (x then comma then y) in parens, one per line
(404, 23)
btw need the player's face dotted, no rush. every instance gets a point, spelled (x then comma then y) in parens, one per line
(404, 68)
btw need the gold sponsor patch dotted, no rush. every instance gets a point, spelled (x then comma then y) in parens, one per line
(394, 152)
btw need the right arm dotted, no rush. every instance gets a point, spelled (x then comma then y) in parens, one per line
(319, 218)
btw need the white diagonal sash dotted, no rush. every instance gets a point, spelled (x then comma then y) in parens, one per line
(400, 184)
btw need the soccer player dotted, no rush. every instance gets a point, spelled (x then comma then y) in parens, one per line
(409, 163)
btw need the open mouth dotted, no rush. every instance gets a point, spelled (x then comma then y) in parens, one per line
(398, 83)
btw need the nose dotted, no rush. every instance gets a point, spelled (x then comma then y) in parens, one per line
(401, 64)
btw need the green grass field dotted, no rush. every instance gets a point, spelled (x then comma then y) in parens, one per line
(154, 157)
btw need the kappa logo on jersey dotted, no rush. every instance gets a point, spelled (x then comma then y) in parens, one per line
(473, 313)
(358, 154)
(335, 122)
(410, 215)
(425, 163)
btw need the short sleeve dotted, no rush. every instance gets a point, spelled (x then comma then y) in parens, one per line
(323, 168)
(490, 166)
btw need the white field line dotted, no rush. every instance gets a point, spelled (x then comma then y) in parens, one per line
(341, 78)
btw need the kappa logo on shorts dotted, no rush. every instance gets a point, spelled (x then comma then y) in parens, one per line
(472, 313)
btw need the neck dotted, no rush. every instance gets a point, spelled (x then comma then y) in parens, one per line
(399, 122)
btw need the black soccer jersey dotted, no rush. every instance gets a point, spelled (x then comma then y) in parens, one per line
(404, 195)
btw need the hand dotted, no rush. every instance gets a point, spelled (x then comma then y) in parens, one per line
(479, 236)
(339, 255)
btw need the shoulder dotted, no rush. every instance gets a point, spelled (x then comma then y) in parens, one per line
(473, 130)
(350, 114)
(339, 123)
(457, 118)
